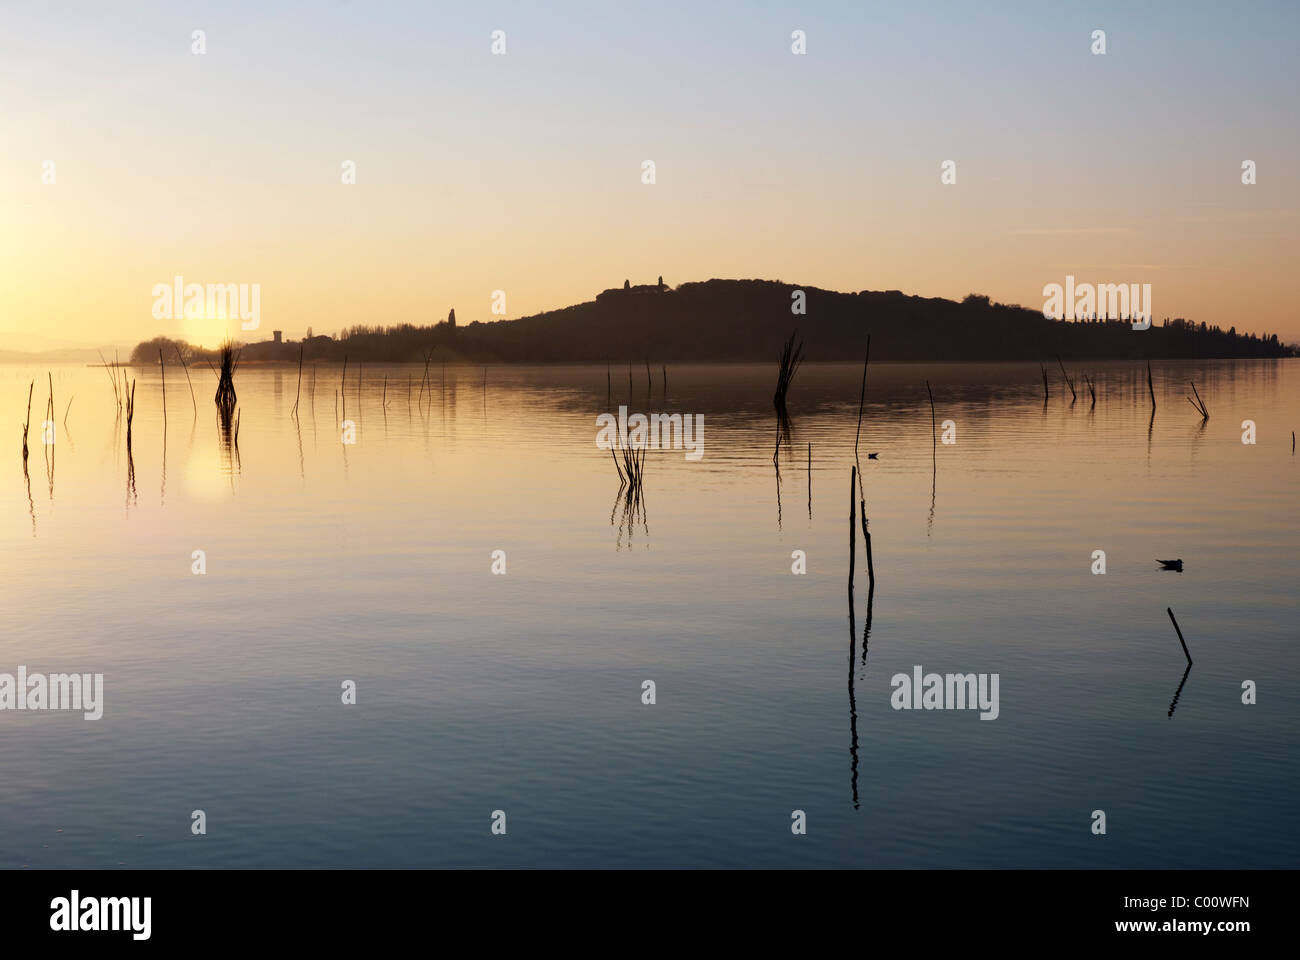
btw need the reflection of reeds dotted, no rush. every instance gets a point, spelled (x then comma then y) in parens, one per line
(228, 434)
(631, 495)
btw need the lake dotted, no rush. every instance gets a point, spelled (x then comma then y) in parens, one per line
(372, 562)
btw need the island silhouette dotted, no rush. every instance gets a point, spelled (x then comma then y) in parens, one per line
(747, 320)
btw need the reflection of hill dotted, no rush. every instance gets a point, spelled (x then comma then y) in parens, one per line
(721, 320)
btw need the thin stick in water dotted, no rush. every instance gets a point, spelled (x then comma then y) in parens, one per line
(194, 403)
(862, 395)
(1170, 611)
(298, 394)
(162, 369)
(1068, 382)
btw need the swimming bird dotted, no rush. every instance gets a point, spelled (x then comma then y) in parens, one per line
(1171, 564)
(873, 456)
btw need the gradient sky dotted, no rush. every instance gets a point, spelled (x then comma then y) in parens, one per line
(479, 172)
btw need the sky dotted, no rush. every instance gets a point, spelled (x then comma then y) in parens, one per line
(522, 172)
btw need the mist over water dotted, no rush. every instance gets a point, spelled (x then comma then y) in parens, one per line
(372, 562)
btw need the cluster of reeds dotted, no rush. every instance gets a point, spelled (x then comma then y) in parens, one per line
(48, 441)
(226, 397)
(112, 378)
(1199, 404)
(631, 472)
(27, 426)
(791, 358)
(129, 393)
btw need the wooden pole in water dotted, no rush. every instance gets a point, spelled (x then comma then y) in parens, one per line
(27, 426)
(1151, 388)
(1045, 391)
(1170, 611)
(810, 480)
(853, 503)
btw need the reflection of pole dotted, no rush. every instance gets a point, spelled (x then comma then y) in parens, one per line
(853, 710)
(866, 537)
(1173, 704)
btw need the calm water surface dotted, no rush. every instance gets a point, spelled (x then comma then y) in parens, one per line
(372, 562)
